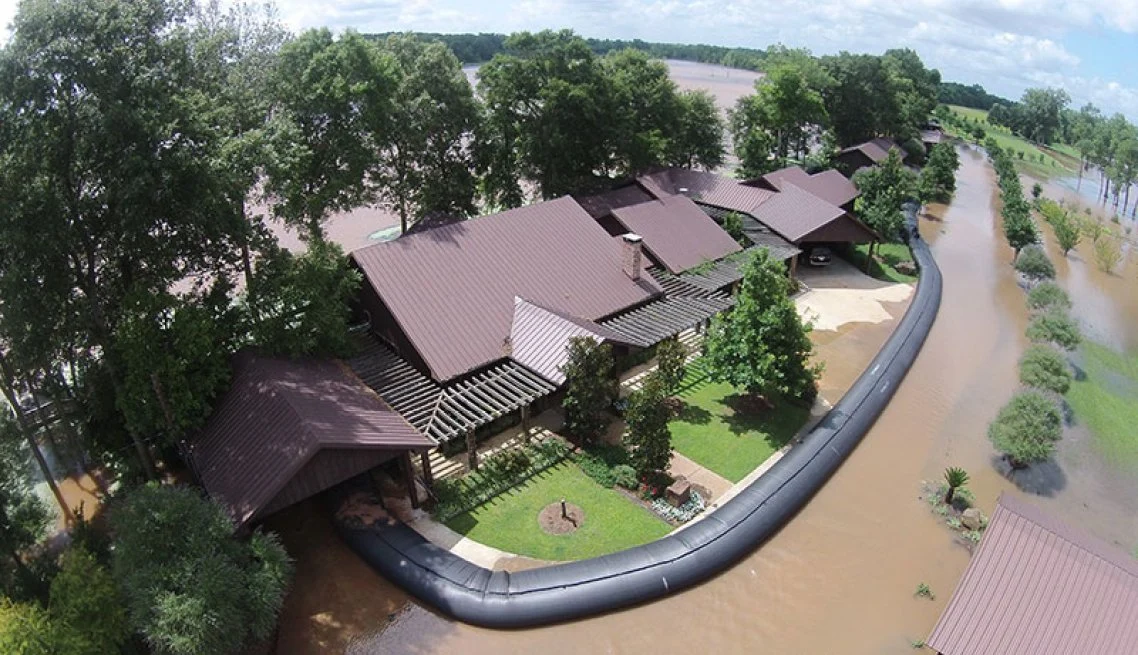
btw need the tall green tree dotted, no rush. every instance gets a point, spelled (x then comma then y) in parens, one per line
(786, 107)
(649, 440)
(646, 107)
(1041, 113)
(671, 356)
(696, 139)
(190, 586)
(425, 164)
(549, 115)
(591, 388)
(334, 97)
(762, 345)
(23, 517)
(883, 189)
(109, 185)
(85, 604)
(937, 181)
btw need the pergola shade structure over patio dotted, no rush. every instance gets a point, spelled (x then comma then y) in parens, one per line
(288, 429)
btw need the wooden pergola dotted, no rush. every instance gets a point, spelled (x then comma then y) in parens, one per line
(664, 317)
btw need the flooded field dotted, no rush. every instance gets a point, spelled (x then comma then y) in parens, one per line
(840, 577)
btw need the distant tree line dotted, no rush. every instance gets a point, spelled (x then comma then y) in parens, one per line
(972, 95)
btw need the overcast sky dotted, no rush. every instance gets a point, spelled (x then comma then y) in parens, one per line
(1089, 47)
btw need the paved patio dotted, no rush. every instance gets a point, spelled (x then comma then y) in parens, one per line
(839, 294)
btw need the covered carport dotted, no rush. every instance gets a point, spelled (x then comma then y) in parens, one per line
(288, 429)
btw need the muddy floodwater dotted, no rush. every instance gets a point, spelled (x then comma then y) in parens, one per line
(840, 577)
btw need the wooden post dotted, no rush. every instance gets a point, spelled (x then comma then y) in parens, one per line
(471, 451)
(794, 266)
(425, 462)
(525, 422)
(564, 513)
(409, 478)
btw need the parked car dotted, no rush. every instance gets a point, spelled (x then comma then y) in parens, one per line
(821, 257)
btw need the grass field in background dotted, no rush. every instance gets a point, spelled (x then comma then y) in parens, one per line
(1050, 166)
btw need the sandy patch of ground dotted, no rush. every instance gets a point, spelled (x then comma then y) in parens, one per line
(839, 294)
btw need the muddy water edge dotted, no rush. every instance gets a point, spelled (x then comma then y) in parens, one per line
(841, 576)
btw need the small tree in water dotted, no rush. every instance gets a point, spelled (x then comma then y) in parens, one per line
(1055, 327)
(649, 440)
(1044, 368)
(955, 477)
(1047, 296)
(1034, 264)
(762, 345)
(590, 388)
(1026, 429)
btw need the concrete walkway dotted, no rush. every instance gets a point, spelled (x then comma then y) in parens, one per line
(682, 467)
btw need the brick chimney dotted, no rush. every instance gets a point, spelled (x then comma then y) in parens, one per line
(630, 257)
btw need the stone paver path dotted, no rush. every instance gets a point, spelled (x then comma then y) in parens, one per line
(694, 473)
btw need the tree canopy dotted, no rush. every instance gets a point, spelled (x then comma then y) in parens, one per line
(937, 181)
(1044, 368)
(591, 388)
(1034, 264)
(762, 345)
(883, 189)
(190, 586)
(649, 440)
(1027, 429)
(1055, 326)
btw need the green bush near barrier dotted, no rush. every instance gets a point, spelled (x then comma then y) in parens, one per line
(599, 460)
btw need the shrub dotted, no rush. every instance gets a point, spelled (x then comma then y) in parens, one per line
(1027, 428)
(1036, 190)
(670, 357)
(1108, 252)
(85, 599)
(1056, 327)
(1047, 296)
(598, 461)
(1033, 263)
(1044, 368)
(733, 225)
(649, 440)
(625, 476)
(1067, 231)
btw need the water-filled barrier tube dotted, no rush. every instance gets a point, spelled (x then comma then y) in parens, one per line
(562, 592)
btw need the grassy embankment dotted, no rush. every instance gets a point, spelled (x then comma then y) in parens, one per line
(1105, 399)
(721, 433)
(888, 255)
(1059, 160)
(509, 521)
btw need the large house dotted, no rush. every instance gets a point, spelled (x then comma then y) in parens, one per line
(464, 326)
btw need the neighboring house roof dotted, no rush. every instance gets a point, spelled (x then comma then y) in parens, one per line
(277, 416)
(677, 233)
(932, 136)
(829, 185)
(1038, 586)
(539, 338)
(451, 289)
(758, 234)
(705, 188)
(877, 150)
(603, 204)
(796, 214)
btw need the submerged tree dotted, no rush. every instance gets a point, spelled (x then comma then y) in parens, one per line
(1047, 296)
(954, 478)
(190, 586)
(1034, 264)
(762, 345)
(590, 388)
(1055, 326)
(1027, 429)
(1044, 368)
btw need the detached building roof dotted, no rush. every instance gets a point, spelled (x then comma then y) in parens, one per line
(1037, 586)
(800, 216)
(677, 233)
(289, 428)
(603, 204)
(451, 289)
(829, 185)
(876, 149)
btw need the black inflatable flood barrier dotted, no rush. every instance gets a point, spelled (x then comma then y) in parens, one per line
(562, 592)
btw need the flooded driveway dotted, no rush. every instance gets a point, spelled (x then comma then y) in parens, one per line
(841, 576)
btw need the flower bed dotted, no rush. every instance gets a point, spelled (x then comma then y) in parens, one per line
(681, 514)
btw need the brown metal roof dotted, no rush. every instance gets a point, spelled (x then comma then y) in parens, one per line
(452, 289)
(276, 416)
(677, 233)
(539, 338)
(932, 136)
(603, 204)
(1037, 586)
(794, 213)
(876, 149)
(705, 188)
(829, 185)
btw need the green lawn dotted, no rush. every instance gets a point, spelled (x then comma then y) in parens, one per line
(509, 521)
(1050, 165)
(732, 444)
(1106, 400)
(889, 255)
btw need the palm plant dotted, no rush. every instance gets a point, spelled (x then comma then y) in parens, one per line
(956, 478)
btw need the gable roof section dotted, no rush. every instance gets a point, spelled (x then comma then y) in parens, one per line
(539, 338)
(1038, 586)
(677, 233)
(706, 189)
(794, 213)
(276, 416)
(603, 204)
(829, 185)
(876, 149)
(452, 289)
